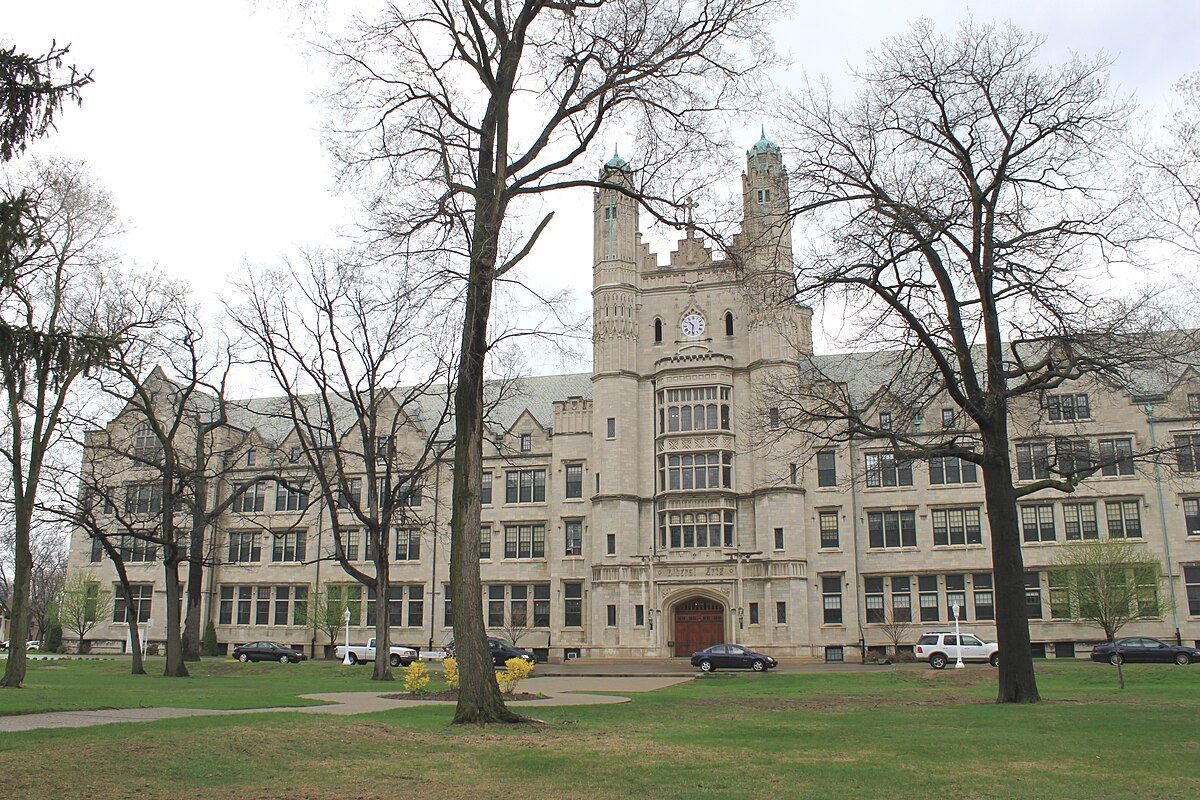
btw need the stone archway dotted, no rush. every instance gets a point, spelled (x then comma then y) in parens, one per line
(699, 623)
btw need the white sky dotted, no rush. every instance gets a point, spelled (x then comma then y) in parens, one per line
(204, 120)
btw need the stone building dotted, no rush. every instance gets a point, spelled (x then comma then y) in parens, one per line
(654, 506)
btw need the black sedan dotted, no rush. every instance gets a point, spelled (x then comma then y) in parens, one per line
(268, 651)
(731, 656)
(1143, 649)
(502, 651)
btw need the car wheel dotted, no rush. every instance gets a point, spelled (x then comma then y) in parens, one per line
(706, 666)
(757, 665)
(284, 660)
(1183, 659)
(353, 659)
(394, 660)
(243, 658)
(937, 661)
(994, 660)
(1115, 659)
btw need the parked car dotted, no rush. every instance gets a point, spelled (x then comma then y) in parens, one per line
(940, 647)
(1143, 649)
(399, 656)
(268, 651)
(32, 645)
(731, 656)
(502, 651)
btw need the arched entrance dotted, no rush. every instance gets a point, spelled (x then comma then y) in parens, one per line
(699, 623)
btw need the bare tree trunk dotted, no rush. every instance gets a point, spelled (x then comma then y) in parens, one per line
(382, 670)
(195, 596)
(14, 670)
(1017, 682)
(131, 622)
(176, 668)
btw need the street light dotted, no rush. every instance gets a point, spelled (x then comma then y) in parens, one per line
(958, 664)
(346, 617)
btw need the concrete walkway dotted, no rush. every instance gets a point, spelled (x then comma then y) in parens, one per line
(559, 691)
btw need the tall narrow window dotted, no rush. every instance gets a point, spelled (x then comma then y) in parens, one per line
(927, 596)
(485, 489)
(657, 331)
(985, 602)
(826, 468)
(574, 536)
(829, 529)
(612, 427)
(873, 595)
(901, 599)
(574, 482)
(572, 605)
(779, 538)
(729, 323)
(1033, 595)
(831, 599)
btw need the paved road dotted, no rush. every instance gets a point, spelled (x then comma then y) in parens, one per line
(560, 691)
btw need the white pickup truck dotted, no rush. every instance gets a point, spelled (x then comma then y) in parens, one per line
(400, 656)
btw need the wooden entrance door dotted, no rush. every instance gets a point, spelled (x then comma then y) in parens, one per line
(698, 624)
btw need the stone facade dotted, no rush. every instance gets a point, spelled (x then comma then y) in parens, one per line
(653, 506)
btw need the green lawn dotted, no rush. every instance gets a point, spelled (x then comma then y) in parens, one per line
(908, 733)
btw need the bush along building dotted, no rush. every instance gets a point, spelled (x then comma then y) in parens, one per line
(660, 504)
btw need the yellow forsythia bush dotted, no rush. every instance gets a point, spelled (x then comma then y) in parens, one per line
(415, 678)
(450, 671)
(515, 671)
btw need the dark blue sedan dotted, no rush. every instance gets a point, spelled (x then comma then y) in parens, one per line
(731, 656)
(1143, 649)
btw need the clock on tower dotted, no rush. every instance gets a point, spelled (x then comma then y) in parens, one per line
(692, 325)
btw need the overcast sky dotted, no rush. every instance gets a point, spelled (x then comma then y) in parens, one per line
(205, 124)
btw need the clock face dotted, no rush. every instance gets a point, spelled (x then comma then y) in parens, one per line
(692, 325)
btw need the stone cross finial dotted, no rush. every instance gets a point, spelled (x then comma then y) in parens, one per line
(690, 205)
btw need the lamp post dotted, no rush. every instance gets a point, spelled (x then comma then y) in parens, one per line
(958, 662)
(346, 659)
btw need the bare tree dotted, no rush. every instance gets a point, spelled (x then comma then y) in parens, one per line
(339, 348)
(327, 608)
(898, 631)
(958, 213)
(473, 113)
(82, 603)
(1110, 583)
(1168, 183)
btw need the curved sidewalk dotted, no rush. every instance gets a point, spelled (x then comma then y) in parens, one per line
(559, 691)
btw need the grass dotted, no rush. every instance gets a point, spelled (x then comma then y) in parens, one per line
(879, 734)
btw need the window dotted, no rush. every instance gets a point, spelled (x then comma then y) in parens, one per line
(781, 613)
(1188, 452)
(144, 498)
(495, 606)
(891, 529)
(574, 482)
(696, 471)
(351, 495)
(835, 654)
(763, 196)
(885, 420)
(1193, 401)
(657, 331)
(1064, 407)
(525, 486)
(831, 599)
(244, 547)
(927, 595)
(884, 470)
(612, 616)
(485, 489)
(1033, 461)
(1116, 457)
(146, 446)
(447, 607)
(485, 542)
(291, 498)
(956, 526)
(779, 538)
(574, 533)
(289, 546)
(1124, 519)
(1191, 515)
(524, 541)
(408, 544)
(795, 473)
(541, 605)
(573, 605)
(526, 442)
(416, 605)
(1191, 579)
(1079, 521)
(141, 597)
(97, 553)
(136, 550)
(773, 418)
(985, 600)
(826, 468)
(611, 544)
(1058, 581)
(680, 529)
(299, 604)
(949, 419)
(639, 616)
(1037, 523)
(262, 605)
(1033, 595)
(384, 447)
(729, 323)
(873, 596)
(829, 529)
(901, 599)
(612, 427)
(251, 458)
(956, 593)
(754, 613)
(1072, 455)
(703, 408)
(951, 469)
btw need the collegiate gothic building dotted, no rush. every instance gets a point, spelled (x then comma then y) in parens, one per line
(656, 506)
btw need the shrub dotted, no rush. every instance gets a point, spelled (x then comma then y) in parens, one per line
(415, 678)
(450, 670)
(515, 671)
(208, 646)
(52, 641)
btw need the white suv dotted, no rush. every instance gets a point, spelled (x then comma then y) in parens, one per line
(940, 647)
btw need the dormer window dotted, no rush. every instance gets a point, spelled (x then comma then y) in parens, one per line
(526, 442)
